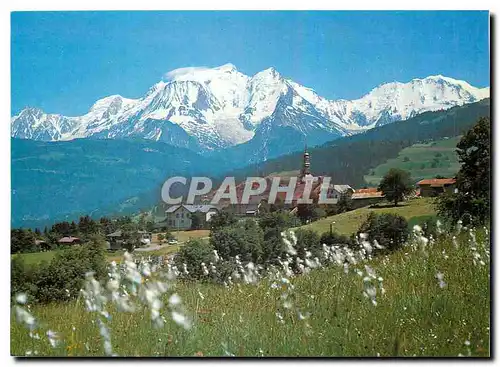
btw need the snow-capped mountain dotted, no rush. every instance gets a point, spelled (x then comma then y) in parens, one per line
(207, 109)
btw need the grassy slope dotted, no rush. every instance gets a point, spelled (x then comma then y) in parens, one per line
(349, 222)
(415, 317)
(420, 161)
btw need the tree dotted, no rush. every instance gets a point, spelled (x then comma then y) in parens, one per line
(220, 220)
(130, 236)
(197, 220)
(395, 185)
(279, 220)
(73, 228)
(309, 212)
(471, 202)
(87, 226)
(243, 239)
(61, 228)
(107, 225)
(22, 240)
(344, 204)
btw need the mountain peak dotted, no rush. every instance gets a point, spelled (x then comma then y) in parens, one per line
(227, 68)
(28, 110)
(219, 107)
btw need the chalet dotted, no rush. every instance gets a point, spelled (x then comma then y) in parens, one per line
(69, 241)
(179, 216)
(435, 186)
(115, 239)
(365, 197)
(43, 245)
(336, 191)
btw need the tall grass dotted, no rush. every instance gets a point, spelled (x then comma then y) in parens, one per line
(322, 313)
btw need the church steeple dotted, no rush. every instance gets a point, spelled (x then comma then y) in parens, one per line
(306, 165)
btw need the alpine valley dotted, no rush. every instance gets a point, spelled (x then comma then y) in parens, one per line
(199, 121)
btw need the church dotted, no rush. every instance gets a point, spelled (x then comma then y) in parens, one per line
(334, 191)
(252, 208)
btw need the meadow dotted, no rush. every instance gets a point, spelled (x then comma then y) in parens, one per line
(431, 298)
(349, 222)
(181, 236)
(423, 160)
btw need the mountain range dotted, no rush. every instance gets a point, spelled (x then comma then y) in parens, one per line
(220, 110)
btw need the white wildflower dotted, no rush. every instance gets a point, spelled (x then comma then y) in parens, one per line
(21, 298)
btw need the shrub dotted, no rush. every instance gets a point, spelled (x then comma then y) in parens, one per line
(193, 253)
(239, 239)
(333, 238)
(308, 239)
(273, 245)
(63, 277)
(390, 230)
(279, 220)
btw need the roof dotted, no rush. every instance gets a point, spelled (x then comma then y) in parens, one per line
(342, 188)
(437, 181)
(115, 234)
(68, 239)
(371, 192)
(191, 208)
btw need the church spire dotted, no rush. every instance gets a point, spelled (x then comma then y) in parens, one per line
(306, 165)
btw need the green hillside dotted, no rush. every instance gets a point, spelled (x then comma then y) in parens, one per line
(348, 223)
(424, 160)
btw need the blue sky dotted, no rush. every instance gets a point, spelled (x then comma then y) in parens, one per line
(63, 62)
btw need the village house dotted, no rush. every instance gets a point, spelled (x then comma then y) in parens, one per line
(115, 240)
(435, 186)
(365, 197)
(69, 240)
(179, 216)
(336, 191)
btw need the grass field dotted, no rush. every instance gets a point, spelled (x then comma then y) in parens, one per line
(37, 257)
(328, 316)
(422, 161)
(182, 236)
(349, 222)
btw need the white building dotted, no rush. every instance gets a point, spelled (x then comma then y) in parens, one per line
(179, 216)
